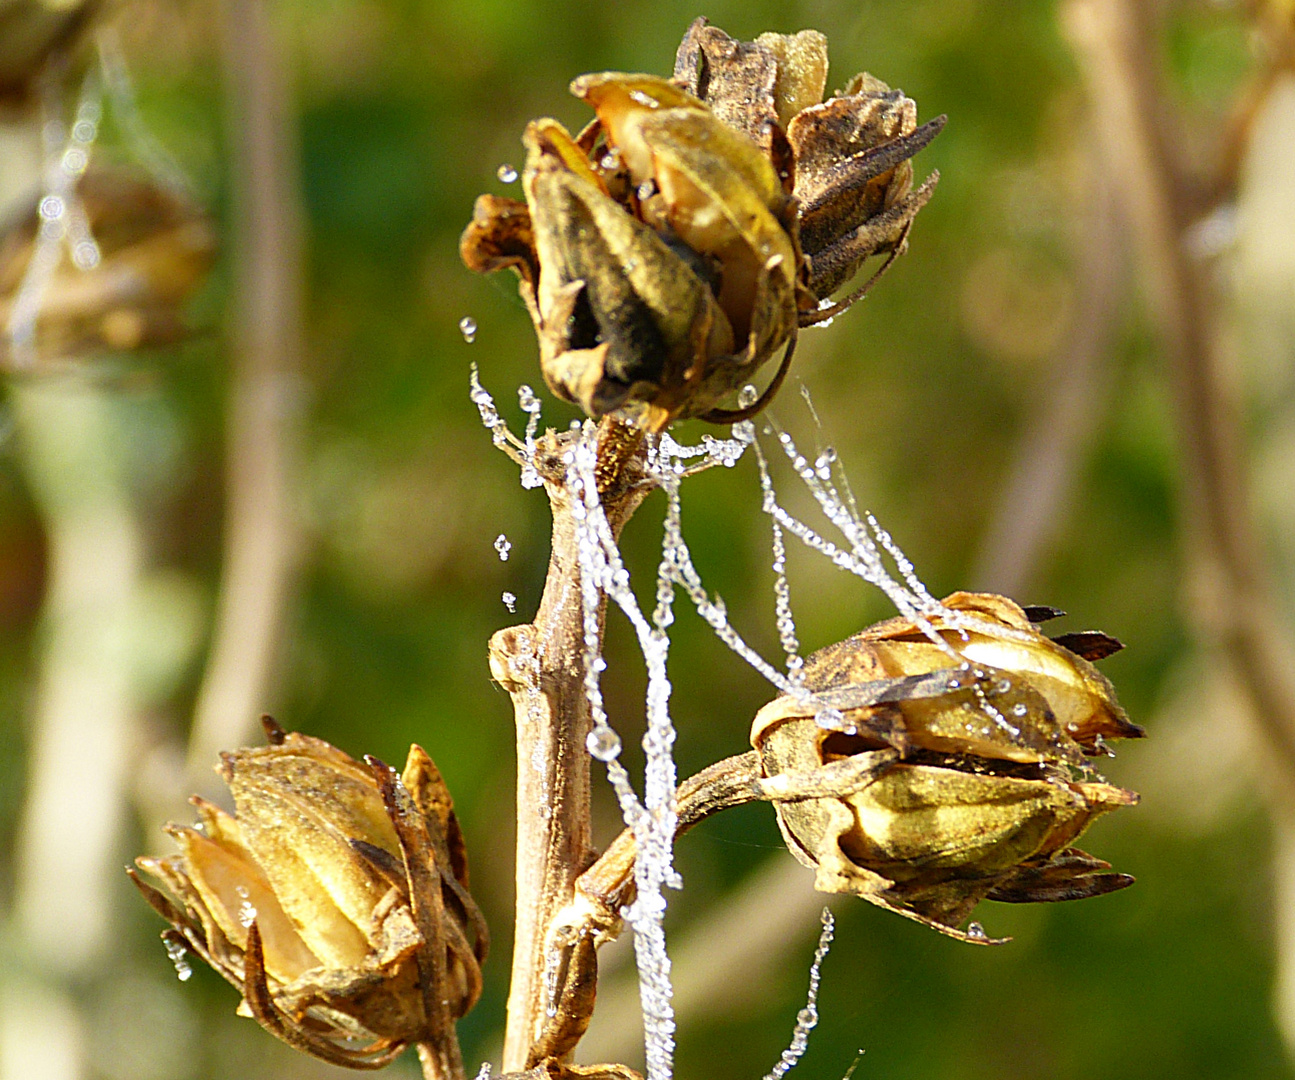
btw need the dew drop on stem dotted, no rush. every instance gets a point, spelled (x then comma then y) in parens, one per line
(177, 953)
(604, 744)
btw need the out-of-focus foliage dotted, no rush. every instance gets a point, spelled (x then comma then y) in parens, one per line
(407, 110)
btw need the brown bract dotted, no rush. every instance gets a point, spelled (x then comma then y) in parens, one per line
(335, 899)
(961, 763)
(660, 250)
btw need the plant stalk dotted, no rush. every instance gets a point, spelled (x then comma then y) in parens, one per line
(542, 666)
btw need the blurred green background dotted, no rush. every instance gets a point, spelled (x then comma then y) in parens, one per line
(927, 390)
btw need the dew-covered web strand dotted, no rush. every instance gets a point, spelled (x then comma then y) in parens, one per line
(602, 572)
(867, 555)
(783, 617)
(867, 543)
(61, 218)
(652, 820)
(127, 116)
(807, 1018)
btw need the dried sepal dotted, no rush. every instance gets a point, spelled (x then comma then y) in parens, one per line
(965, 780)
(335, 899)
(847, 157)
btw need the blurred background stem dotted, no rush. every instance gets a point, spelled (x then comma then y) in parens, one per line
(262, 434)
(1033, 504)
(83, 723)
(1232, 588)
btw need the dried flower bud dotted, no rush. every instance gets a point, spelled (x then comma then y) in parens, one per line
(122, 286)
(957, 748)
(660, 250)
(335, 898)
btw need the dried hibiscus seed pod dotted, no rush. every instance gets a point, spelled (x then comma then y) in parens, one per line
(335, 899)
(660, 251)
(957, 759)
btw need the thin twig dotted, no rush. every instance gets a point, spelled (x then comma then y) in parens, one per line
(261, 437)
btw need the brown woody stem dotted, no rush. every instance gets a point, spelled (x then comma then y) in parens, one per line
(542, 666)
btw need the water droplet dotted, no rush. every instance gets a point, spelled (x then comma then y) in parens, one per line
(1020, 709)
(954, 683)
(975, 930)
(1004, 686)
(503, 546)
(178, 955)
(611, 161)
(807, 1017)
(74, 162)
(646, 190)
(1102, 748)
(83, 131)
(824, 462)
(246, 912)
(506, 173)
(646, 100)
(510, 602)
(979, 673)
(604, 744)
(747, 396)
(468, 328)
(51, 208)
(829, 718)
(86, 255)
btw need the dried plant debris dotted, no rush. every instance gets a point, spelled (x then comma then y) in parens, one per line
(674, 246)
(950, 770)
(124, 285)
(336, 899)
(32, 33)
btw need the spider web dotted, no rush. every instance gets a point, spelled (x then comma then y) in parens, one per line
(862, 548)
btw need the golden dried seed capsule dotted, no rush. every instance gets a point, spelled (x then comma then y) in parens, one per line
(319, 898)
(980, 800)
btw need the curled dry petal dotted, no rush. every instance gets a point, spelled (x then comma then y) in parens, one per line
(991, 723)
(312, 898)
